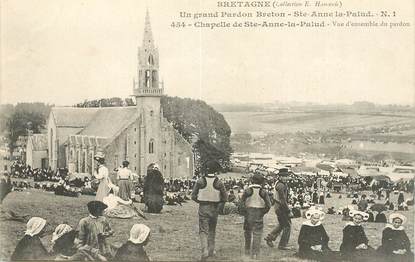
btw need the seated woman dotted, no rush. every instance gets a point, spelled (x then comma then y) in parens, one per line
(117, 207)
(395, 243)
(133, 249)
(30, 247)
(313, 239)
(63, 242)
(355, 245)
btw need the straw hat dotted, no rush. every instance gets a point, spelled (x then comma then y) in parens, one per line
(99, 155)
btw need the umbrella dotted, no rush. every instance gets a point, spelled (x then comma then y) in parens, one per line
(378, 207)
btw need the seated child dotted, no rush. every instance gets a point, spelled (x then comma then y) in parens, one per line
(257, 204)
(313, 239)
(395, 243)
(30, 247)
(355, 245)
(133, 249)
(63, 241)
(93, 231)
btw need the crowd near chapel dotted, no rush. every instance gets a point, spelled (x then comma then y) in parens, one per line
(139, 134)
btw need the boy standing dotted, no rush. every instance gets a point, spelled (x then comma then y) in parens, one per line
(257, 203)
(211, 195)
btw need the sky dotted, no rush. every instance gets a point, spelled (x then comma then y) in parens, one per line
(65, 51)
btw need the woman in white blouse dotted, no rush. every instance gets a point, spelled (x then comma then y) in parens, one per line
(102, 175)
(125, 178)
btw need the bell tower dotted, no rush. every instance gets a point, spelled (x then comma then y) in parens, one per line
(147, 91)
(148, 65)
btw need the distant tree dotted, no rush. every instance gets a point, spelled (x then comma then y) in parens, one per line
(129, 102)
(198, 122)
(25, 117)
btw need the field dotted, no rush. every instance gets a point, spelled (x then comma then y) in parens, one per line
(174, 231)
(281, 122)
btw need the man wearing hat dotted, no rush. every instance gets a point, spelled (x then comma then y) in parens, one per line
(210, 193)
(102, 175)
(282, 211)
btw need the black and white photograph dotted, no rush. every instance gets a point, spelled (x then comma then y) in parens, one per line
(185, 130)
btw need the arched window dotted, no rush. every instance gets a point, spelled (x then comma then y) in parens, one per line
(147, 80)
(179, 161)
(151, 112)
(151, 147)
(150, 60)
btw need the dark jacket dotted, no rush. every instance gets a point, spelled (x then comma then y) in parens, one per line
(311, 235)
(29, 248)
(353, 236)
(131, 252)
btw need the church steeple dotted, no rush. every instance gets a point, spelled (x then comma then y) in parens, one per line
(148, 34)
(148, 65)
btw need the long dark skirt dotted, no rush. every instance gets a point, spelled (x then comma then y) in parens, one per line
(125, 189)
(154, 203)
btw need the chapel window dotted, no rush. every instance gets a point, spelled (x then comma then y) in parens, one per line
(151, 147)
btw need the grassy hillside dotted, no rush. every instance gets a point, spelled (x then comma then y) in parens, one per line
(175, 231)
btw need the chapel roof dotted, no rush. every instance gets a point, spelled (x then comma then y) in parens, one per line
(103, 122)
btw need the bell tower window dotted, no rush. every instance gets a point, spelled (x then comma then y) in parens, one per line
(150, 60)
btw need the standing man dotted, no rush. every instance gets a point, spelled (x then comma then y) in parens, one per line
(257, 203)
(282, 211)
(210, 193)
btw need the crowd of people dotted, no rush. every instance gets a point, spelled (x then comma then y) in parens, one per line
(287, 192)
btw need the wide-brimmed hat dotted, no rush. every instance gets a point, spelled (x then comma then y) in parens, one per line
(364, 215)
(94, 207)
(139, 233)
(314, 211)
(99, 156)
(393, 216)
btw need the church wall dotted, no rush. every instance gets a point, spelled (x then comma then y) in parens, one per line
(124, 147)
(150, 131)
(177, 160)
(183, 161)
(52, 134)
